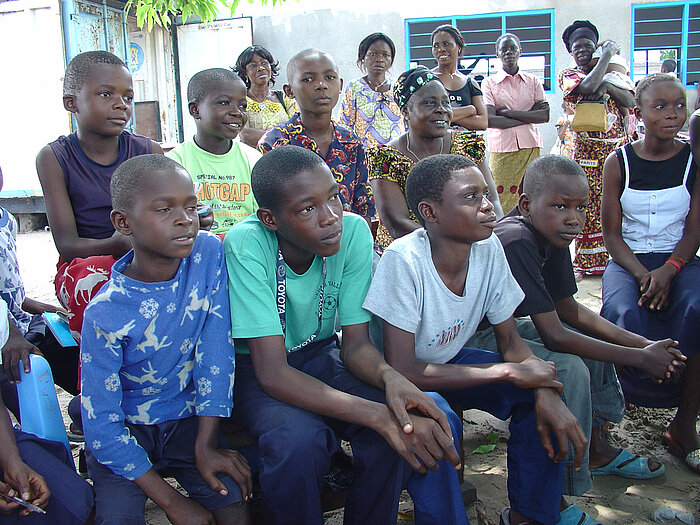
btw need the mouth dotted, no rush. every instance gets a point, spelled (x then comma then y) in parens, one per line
(443, 56)
(440, 122)
(490, 221)
(569, 236)
(234, 125)
(333, 237)
(323, 100)
(262, 74)
(187, 238)
(119, 120)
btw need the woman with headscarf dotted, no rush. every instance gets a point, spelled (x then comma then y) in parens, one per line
(585, 82)
(367, 107)
(266, 108)
(425, 107)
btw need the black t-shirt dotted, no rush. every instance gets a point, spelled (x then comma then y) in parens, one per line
(545, 275)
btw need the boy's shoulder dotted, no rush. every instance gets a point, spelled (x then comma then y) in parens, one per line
(514, 228)
(346, 136)
(187, 151)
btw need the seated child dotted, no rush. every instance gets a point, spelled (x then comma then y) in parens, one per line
(315, 84)
(75, 171)
(157, 365)
(218, 163)
(432, 288)
(584, 346)
(292, 267)
(26, 318)
(651, 226)
(37, 470)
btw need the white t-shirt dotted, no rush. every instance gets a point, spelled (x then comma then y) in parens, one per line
(407, 292)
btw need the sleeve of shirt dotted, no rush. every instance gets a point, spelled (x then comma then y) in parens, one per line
(348, 111)
(252, 297)
(176, 154)
(539, 90)
(524, 261)
(270, 140)
(393, 295)
(504, 294)
(213, 371)
(106, 435)
(487, 87)
(357, 273)
(363, 198)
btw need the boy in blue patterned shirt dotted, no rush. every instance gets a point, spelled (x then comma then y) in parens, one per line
(157, 368)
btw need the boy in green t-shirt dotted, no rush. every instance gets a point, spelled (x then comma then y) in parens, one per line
(220, 166)
(292, 268)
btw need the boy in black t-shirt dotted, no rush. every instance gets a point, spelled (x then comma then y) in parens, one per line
(536, 237)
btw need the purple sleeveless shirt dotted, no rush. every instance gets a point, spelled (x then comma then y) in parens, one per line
(88, 182)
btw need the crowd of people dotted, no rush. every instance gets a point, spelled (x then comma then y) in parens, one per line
(318, 280)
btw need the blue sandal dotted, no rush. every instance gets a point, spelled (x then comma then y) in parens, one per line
(574, 515)
(628, 465)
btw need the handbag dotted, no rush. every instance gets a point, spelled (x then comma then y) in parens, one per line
(590, 115)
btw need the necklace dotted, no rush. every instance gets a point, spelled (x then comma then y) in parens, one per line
(260, 102)
(376, 87)
(408, 146)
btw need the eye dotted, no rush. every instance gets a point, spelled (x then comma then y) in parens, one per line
(129, 98)
(330, 77)
(163, 210)
(659, 107)
(306, 210)
(243, 106)
(581, 207)
(559, 206)
(104, 94)
(681, 105)
(307, 79)
(223, 102)
(191, 208)
(335, 197)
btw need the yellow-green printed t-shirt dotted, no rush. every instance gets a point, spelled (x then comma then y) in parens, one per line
(224, 180)
(251, 261)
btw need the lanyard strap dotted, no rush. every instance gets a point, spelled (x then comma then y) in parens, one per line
(281, 276)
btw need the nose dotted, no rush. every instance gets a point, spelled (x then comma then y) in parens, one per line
(486, 204)
(183, 218)
(328, 216)
(321, 84)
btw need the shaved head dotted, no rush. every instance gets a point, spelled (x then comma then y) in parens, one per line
(293, 64)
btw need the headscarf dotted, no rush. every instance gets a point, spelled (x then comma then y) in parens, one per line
(411, 81)
(579, 29)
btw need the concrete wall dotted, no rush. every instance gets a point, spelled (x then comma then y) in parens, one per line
(294, 26)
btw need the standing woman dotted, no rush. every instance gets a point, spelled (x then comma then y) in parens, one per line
(367, 107)
(426, 108)
(585, 82)
(516, 103)
(467, 101)
(266, 108)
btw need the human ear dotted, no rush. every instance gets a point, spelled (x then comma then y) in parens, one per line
(427, 212)
(69, 103)
(288, 91)
(524, 205)
(120, 221)
(194, 110)
(267, 219)
(638, 113)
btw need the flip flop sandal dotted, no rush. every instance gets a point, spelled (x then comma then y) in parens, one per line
(574, 515)
(692, 459)
(628, 465)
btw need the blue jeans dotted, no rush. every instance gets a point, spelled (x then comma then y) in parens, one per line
(296, 446)
(534, 480)
(591, 392)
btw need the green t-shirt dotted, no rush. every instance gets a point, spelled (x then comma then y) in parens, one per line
(251, 261)
(224, 179)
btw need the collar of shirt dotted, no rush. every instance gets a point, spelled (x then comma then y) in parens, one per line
(502, 75)
(295, 127)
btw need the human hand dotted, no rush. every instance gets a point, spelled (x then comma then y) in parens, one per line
(655, 287)
(23, 482)
(186, 511)
(210, 461)
(423, 447)
(16, 350)
(207, 220)
(554, 417)
(609, 47)
(533, 372)
(540, 104)
(663, 361)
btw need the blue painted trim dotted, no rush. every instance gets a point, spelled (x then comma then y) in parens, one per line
(684, 46)
(70, 45)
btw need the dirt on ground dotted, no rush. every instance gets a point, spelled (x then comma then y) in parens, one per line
(612, 500)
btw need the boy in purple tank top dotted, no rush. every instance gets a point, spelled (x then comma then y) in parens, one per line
(75, 172)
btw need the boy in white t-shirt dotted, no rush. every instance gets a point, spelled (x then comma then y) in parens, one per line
(432, 288)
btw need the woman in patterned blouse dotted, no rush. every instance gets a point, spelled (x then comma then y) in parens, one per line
(367, 107)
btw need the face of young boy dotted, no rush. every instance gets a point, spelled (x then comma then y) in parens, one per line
(316, 84)
(163, 220)
(310, 219)
(221, 113)
(559, 212)
(465, 213)
(663, 110)
(105, 101)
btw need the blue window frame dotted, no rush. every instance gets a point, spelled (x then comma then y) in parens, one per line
(666, 31)
(534, 29)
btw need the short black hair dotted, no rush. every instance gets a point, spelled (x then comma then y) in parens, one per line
(428, 177)
(669, 66)
(204, 81)
(80, 67)
(454, 33)
(652, 79)
(507, 35)
(246, 58)
(292, 64)
(129, 176)
(544, 169)
(273, 170)
(368, 41)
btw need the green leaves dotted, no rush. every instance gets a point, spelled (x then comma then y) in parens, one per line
(492, 438)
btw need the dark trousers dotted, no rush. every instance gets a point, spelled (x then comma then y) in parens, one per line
(296, 446)
(534, 481)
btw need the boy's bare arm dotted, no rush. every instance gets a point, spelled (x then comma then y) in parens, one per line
(155, 148)
(33, 306)
(15, 351)
(660, 360)
(62, 220)
(286, 384)
(392, 208)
